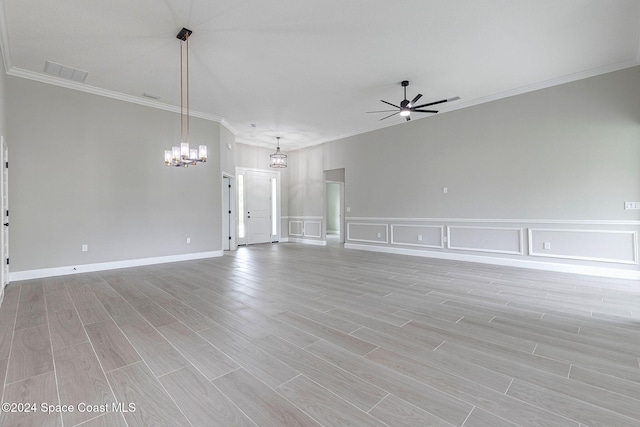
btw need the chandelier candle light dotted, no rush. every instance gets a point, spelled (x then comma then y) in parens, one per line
(183, 155)
(278, 159)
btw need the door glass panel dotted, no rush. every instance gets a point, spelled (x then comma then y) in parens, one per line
(241, 227)
(274, 208)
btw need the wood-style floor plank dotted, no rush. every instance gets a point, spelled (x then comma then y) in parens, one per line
(152, 312)
(398, 413)
(66, 328)
(80, 380)
(111, 346)
(208, 359)
(260, 403)
(324, 406)
(312, 327)
(346, 385)
(6, 335)
(155, 350)
(110, 419)
(34, 392)
(30, 354)
(89, 308)
(31, 307)
(267, 368)
(9, 306)
(153, 407)
(201, 402)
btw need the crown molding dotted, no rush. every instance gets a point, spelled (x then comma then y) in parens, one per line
(69, 84)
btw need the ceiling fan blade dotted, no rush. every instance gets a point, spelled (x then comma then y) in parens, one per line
(431, 103)
(424, 111)
(393, 105)
(414, 100)
(380, 111)
(397, 112)
(455, 98)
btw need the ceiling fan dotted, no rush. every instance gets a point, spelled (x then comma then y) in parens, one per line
(407, 107)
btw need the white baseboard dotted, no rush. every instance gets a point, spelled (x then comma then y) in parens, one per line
(507, 262)
(306, 241)
(86, 268)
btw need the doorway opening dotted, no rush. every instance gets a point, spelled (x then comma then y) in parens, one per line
(334, 206)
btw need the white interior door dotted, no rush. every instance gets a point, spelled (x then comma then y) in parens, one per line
(258, 206)
(226, 213)
(4, 234)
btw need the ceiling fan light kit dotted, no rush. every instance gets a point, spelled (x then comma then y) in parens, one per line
(407, 107)
(183, 155)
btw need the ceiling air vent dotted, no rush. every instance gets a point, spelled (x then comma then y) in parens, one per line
(65, 72)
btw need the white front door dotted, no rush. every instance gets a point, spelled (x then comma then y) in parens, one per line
(258, 206)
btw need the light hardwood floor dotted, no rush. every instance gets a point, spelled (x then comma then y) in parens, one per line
(288, 334)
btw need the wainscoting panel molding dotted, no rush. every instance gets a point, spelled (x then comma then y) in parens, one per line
(617, 246)
(370, 233)
(498, 240)
(296, 228)
(312, 229)
(426, 236)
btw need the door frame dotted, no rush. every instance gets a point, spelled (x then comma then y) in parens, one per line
(4, 215)
(229, 212)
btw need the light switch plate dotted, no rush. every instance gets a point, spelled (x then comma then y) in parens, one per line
(631, 205)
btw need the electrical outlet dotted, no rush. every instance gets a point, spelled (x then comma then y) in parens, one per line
(631, 205)
(85, 248)
(546, 245)
(419, 237)
(379, 235)
(445, 190)
(188, 239)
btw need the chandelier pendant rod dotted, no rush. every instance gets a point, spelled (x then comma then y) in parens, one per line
(181, 96)
(188, 112)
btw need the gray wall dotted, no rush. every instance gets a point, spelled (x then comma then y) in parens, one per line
(564, 157)
(89, 170)
(227, 151)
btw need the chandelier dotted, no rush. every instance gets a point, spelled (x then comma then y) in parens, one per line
(183, 155)
(278, 159)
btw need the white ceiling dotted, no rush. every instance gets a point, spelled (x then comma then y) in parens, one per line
(309, 70)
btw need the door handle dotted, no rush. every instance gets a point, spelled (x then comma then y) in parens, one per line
(6, 224)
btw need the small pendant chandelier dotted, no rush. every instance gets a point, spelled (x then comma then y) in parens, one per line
(183, 155)
(278, 159)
